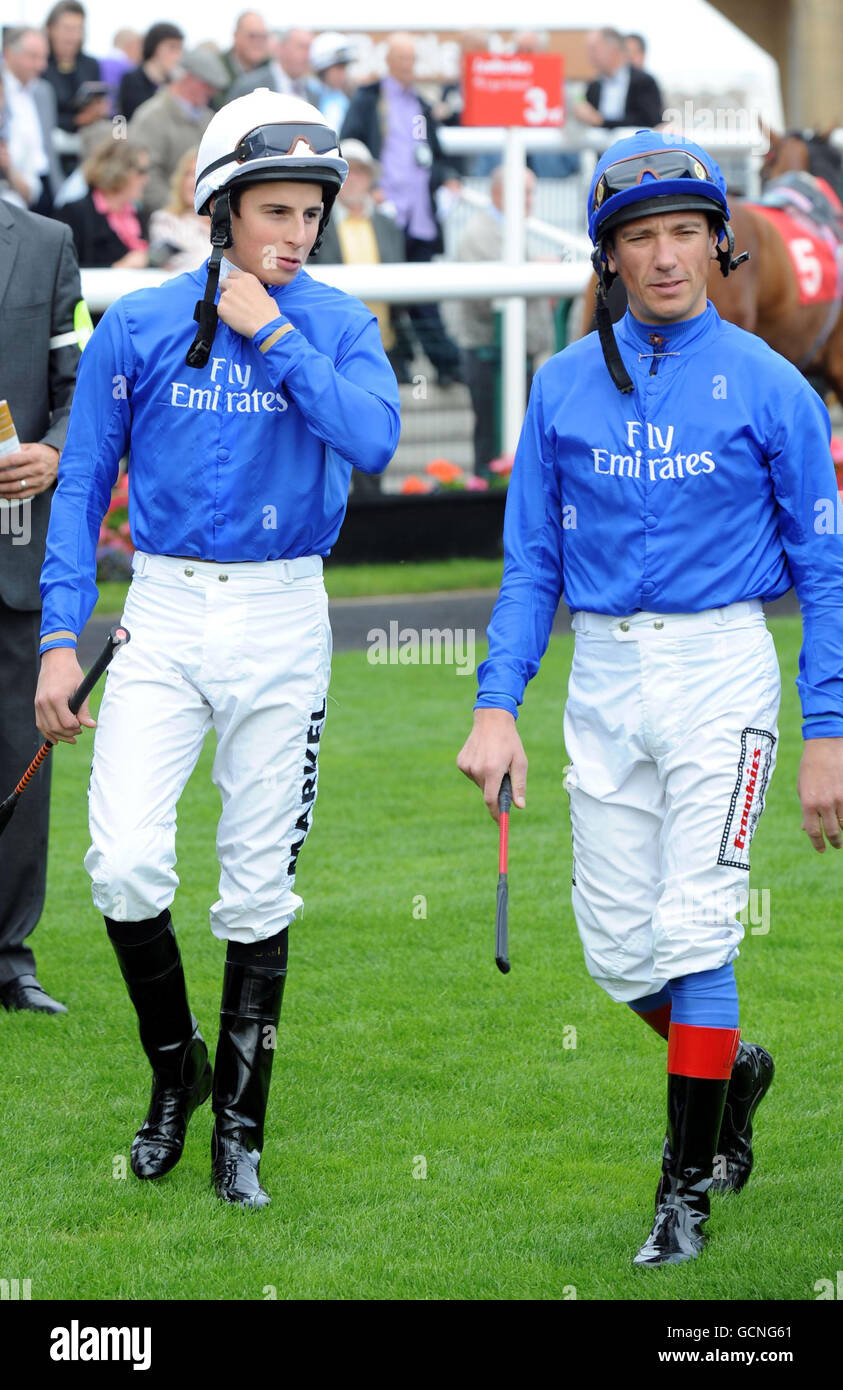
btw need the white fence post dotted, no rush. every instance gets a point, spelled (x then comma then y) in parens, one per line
(515, 309)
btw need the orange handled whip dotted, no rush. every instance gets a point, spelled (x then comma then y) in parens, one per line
(118, 637)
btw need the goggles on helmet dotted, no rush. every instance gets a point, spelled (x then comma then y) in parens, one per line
(661, 164)
(277, 141)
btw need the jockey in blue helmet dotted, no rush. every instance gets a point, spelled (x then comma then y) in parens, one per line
(651, 172)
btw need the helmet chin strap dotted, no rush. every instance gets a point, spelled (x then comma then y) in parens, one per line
(329, 196)
(726, 254)
(617, 371)
(205, 312)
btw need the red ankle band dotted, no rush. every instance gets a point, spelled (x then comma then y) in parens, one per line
(705, 1052)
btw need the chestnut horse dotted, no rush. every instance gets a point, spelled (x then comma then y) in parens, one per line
(762, 295)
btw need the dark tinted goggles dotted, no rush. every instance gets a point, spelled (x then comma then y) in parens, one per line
(274, 141)
(270, 140)
(661, 164)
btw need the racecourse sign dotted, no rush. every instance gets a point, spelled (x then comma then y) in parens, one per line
(517, 89)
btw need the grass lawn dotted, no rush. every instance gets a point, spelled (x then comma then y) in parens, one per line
(403, 1050)
(364, 581)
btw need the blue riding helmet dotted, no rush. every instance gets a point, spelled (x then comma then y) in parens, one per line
(648, 172)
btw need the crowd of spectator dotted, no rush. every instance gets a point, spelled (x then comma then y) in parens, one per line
(108, 145)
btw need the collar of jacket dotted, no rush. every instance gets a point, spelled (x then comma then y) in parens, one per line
(675, 336)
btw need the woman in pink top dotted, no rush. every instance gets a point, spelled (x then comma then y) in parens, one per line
(105, 223)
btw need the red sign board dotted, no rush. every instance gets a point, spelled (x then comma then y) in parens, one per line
(513, 89)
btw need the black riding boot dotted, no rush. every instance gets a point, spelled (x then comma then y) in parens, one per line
(253, 987)
(694, 1112)
(751, 1076)
(181, 1073)
(752, 1073)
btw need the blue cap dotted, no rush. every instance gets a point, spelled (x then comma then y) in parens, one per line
(650, 194)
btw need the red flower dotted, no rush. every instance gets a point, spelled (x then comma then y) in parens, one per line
(412, 485)
(443, 470)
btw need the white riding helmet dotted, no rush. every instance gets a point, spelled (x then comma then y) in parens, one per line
(268, 135)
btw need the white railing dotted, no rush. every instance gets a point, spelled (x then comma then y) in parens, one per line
(576, 138)
(401, 283)
(748, 146)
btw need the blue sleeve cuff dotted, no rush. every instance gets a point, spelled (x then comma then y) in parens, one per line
(822, 726)
(497, 702)
(50, 643)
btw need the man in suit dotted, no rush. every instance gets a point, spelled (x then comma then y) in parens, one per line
(39, 293)
(620, 95)
(398, 126)
(286, 71)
